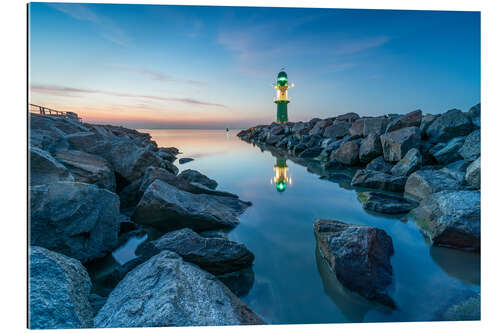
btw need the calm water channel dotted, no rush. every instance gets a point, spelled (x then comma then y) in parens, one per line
(292, 283)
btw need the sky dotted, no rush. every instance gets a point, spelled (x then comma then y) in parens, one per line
(160, 66)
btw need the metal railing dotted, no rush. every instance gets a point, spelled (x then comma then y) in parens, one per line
(45, 111)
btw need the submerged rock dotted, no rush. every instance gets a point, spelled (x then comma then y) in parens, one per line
(451, 219)
(470, 309)
(385, 203)
(197, 178)
(378, 180)
(214, 254)
(167, 291)
(76, 219)
(44, 169)
(360, 257)
(168, 208)
(423, 183)
(58, 289)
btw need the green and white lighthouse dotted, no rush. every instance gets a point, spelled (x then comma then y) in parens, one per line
(281, 98)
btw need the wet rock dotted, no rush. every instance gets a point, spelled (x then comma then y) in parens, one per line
(185, 160)
(44, 169)
(467, 310)
(473, 174)
(338, 130)
(167, 156)
(396, 144)
(378, 180)
(449, 125)
(370, 148)
(359, 256)
(76, 219)
(310, 152)
(214, 254)
(333, 164)
(88, 168)
(451, 219)
(299, 148)
(58, 289)
(239, 282)
(449, 152)
(197, 178)
(385, 203)
(475, 115)
(347, 153)
(379, 164)
(423, 183)
(411, 119)
(471, 148)
(169, 150)
(408, 164)
(375, 125)
(167, 291)
(168, 208)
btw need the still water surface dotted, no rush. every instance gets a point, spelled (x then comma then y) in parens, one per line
(293, 284)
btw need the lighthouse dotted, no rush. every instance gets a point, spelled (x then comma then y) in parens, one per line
(281, 98)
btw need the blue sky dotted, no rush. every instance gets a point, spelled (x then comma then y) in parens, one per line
(152, 66)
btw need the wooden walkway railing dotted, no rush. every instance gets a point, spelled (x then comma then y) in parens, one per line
(43, 110)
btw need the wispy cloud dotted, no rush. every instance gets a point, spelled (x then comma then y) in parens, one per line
(107, 27)
(75, 92)
(155, 75)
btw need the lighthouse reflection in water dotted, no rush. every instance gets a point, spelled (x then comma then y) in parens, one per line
(281, 180)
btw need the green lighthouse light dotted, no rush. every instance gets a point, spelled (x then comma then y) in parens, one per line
(281, 99)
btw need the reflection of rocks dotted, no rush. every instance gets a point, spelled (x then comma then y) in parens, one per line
(469, 309)
(167, 291)
(360, 257)
(239, 282)
(460, 265)
(352, 305)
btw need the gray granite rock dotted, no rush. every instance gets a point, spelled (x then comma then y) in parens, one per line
(473, 174)
(422, 183)
(449, 125)
(449, 151)
(385, 203)
(413, 118)
(45, 169)
(370, 148)
(408, 164)
(397, 143)
(197, 178)
(378, 180)
(471, 148)
(347, 153)
(379, 164)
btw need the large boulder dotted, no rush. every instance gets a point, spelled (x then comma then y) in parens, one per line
(370, 148)
(58, 291)
(427, 120)
(385, 203)
(168, 208)
(310, 152)
(319, 127)
(413, 118)
(88, 168)
(456, 170)
(44, 169)
(167, 291)
(451, 219)
(338, 130)
(357, 127)
(76, 219)
(449, 125)
(471, 148)
(423, 183)
(379, 164)
(408, 164)
(396, 144)
(216, 255)
(83, 141)
(375, 125)
(347, 153)
(347, 117)
(473, 174)
(449, 152)
(378, 180)
(359, 256)
(197, 178)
